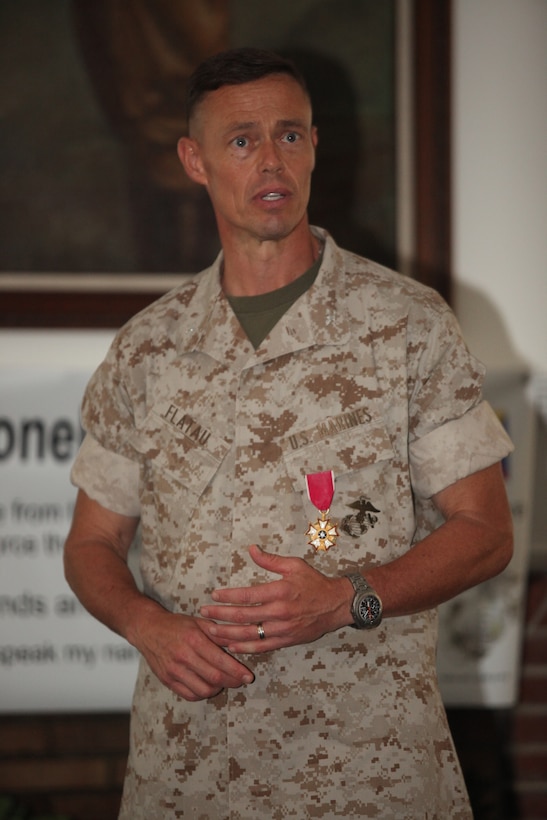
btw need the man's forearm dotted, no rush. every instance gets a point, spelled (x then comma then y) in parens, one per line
(459, 555)
(474, 544)
(105, 586)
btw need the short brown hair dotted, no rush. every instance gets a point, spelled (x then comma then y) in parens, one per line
(235, 67)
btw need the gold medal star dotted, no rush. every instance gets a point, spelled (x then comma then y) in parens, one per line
(323, 534)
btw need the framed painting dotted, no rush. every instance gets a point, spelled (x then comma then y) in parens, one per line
(98, 216)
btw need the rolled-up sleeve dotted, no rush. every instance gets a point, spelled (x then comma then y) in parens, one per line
(107, 477)
(457, 449)
(107, 467)
(453, 431)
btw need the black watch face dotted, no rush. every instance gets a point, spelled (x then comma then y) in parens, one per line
(369, 609)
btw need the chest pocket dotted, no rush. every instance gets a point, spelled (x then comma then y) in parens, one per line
(180, 463)
(345, 452)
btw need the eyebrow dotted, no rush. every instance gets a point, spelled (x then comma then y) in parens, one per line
(246, 125)
(240, 126)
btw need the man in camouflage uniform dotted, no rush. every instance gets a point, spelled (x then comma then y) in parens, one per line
(289, 358)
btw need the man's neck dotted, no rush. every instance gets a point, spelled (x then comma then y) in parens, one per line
(262, 267)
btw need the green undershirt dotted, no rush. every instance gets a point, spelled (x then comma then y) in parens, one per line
(258, 315)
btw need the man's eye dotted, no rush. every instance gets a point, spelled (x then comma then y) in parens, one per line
(291, 136)
(241, 142)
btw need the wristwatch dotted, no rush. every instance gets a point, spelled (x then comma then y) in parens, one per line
(366, 607)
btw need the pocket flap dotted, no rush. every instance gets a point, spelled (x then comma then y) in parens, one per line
(191, 453)
(344, 452)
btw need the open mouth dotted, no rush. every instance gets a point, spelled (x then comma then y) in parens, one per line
(272, 197)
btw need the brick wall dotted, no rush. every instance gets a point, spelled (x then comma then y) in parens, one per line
(504, 752)
(529, 740)
(73, 765)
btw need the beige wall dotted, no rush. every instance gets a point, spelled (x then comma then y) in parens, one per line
(500, 215)
(500, 172)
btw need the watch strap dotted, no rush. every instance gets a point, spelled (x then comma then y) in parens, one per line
(358, 582)
(362, 588)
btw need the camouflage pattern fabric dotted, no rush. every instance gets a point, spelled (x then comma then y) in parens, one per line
(209, 441)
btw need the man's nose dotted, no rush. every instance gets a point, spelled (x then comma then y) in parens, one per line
(271, 160)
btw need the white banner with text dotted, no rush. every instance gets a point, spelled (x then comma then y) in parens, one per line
(53, 655)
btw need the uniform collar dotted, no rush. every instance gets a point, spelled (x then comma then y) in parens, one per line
(318, 317)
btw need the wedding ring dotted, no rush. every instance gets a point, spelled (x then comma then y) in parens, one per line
(261, 633)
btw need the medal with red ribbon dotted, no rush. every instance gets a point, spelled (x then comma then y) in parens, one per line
(323, 533)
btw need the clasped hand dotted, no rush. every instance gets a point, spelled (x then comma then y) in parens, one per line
(297, 609)
(188, 654)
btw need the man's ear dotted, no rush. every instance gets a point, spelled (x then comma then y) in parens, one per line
(190, 157)
(314, 141)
